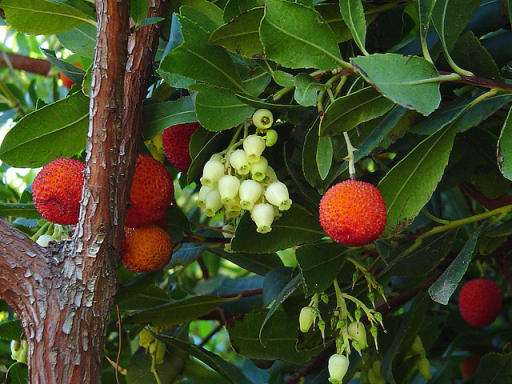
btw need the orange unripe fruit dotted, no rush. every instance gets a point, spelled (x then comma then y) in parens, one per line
(480, 302)
(353, 213)
(66, 81)
(175, 141)
(145, 249)
(57, 190)
(151, 193)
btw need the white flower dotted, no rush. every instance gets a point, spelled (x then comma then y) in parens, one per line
(263, 119)
(259, 169)
(277, 194)
(201, 196)
(238, 160)
(212, 203)
(212, 172)
(228, 188)
(338, 367)
(44, 240)
(250, 191)
(254, 146)
(263, 215)
(271, 174)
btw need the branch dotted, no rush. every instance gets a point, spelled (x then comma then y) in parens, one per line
(25, 63)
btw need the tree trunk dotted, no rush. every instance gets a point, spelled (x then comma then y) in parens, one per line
(64, 294)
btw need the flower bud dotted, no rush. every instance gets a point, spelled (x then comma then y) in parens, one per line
(228, 231)
(277, 194)
(417, 347)
(357, 331)
(254, 146)
(160, 352)
(263, 119)
(259, 169)
(271, 137)
(263, 215)
(228, 188)
(212, 172)
(338, 367)
(306, 319)
(43, 240)
(203, 191)
(271, 174)
(19, 351)
(250, 191)
(145, 338)
(238, 160)
(423, 366)
(212, 203)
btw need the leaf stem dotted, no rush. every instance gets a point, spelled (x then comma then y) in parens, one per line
(350, 158)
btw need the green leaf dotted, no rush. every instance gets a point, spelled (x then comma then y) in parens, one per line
(74, 73)
(324, 153)
(294, 227)
(412, 81)
(151, 20)
(243, 333)
(306, 89)
(235, 8)
(11, 330)
(319, 265)
(505, 147)
(209, 147)
(229, 371)
(196, 59)
(241, 35)
(408, 186)
(80, 40)
(207, 8)
(159, 116)
(218, 109)
(42, 17)
(55, 130)
(309, 41)
(260, 264)
(353, 15)
(28, 210)
(177, 312)
(443, 288)
(349, 111)
(424, 8)
(495, 368)
(139, 10)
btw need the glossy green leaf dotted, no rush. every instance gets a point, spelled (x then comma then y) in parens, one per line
(235, 8)
(505, 147)
(27, 210)
(284, 79)
(294, 227)
(494, 368)
(11, 330)
(241, 35)
(353, 15)
(324, 153)
(424, 8)
(197, 373)
(349, 111)
(412, 82)
(257, 82)
(42, 17)
(229, 371)
(74, 73)
(176, 312)
(218, 109)
(445, 286)
(207, 8)
(187, 254)
(309, 41)
(319, 264)
(196, 59)
(504, 229)
(259, 103)
(198, 17)
(159, 116)
(281, 341)
(260, 264)
(408, 186)
(139, 10)
(275, 283)
(306, 89)
(55, 130)
(177, 223)
(80, 40)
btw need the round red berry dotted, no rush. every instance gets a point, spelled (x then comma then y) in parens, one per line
(175, 141)
(480, 302)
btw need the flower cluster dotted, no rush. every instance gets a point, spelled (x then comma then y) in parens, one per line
(240, 178)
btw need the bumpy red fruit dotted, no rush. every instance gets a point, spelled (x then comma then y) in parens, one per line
(57, 190)
(175, 141)
(151, 193)
(145, 249)
(353, 213)
(480, 302)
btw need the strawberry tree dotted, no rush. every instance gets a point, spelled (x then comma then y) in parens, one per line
(278, 101)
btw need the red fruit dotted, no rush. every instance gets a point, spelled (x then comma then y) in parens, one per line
(469, 366)
(66, 81)
(57, 190)
(151, 193)
(480, 302)
(175, 141)
(145, 249)
(353, 213)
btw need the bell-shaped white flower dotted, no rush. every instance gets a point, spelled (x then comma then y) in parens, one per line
(212, 203)
(338, 367)
(250, 191)
(201, 196)
(271, 174)
(263, 119)
(43, 240)
(254, 146)
(263, 215)
(238, 160)
(228, 188)
(233, 208)
(212, 172)
(277, 194)
(259, 169)
(228, 231)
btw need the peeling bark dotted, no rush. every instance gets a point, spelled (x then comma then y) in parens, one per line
(64, 293)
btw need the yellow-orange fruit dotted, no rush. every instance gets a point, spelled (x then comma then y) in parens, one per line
(469, 366)
(151, 193)
(57, 190)
(145, 249)
(353, 213)
(66, 81)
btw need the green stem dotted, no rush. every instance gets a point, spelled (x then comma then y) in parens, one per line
(279, 94)
(357, 264)
(340, 85)
(482, 97)
(438, 79)
(350, 158)
(41, 230)
(455, 67)
(153, 369)
(434, 218)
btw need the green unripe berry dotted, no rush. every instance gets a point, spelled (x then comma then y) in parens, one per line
(338, 367)
(271, 137)
(357, 332)
(423, 366)
(306, 319)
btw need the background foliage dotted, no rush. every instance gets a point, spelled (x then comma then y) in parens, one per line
(421, 87)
